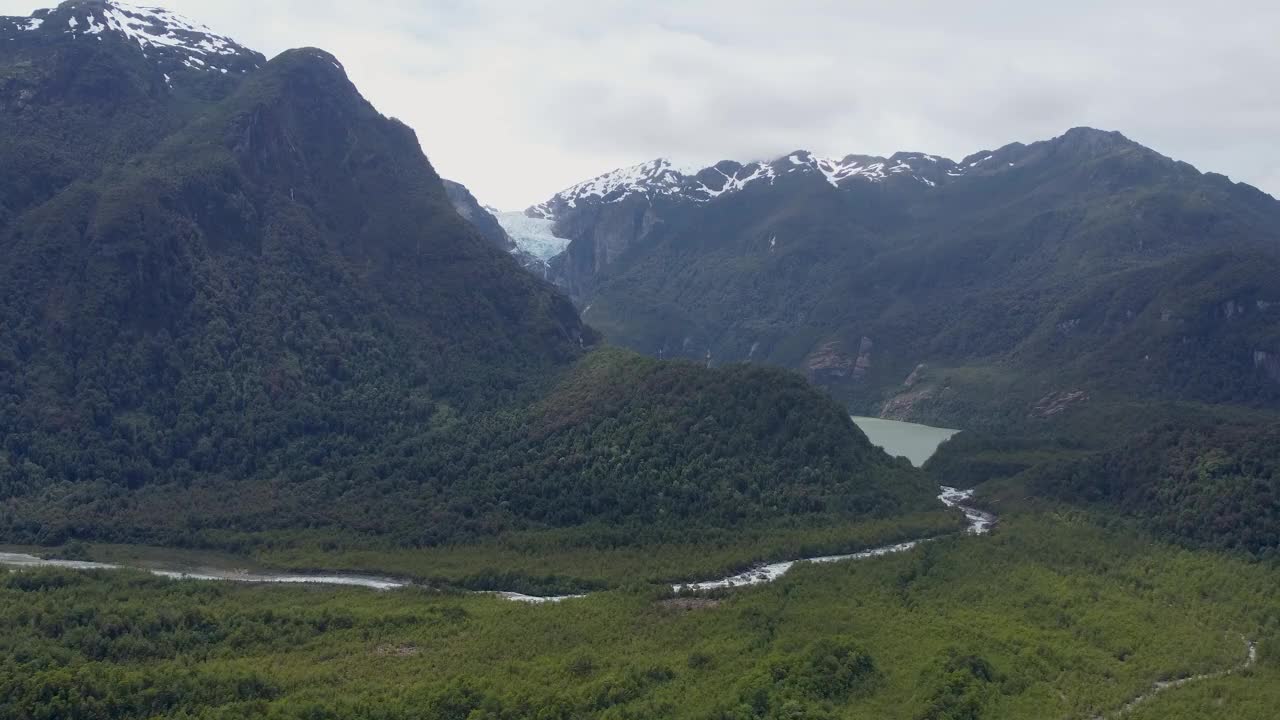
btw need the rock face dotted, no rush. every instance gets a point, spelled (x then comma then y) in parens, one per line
(863, 363)
(599, 234)
(905, 406)
(913, 394)
(1267, 362)
(1058, 402)
(828, 363)
(473, 212)
(488, 222)
(915, 376)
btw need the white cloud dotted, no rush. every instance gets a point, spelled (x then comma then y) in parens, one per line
(519, 99)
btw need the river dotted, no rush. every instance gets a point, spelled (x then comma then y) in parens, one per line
(21, 560)
(979, 523)
(915, 442)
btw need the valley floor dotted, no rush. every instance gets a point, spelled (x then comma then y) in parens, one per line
(543, 562)
(1052, 616)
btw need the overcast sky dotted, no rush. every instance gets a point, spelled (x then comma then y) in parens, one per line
(521, 98)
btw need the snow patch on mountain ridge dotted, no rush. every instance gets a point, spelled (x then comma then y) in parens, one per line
(154, 29)
(663, 177)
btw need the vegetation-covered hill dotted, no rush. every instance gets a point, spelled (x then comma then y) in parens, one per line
(621, 440)
(261, 313)
(1215, 484)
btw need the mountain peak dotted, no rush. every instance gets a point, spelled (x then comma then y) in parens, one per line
(660, 176)
(169, 39)
(1092, 140)
(663, 177)
(309, 57)
(1084, 131)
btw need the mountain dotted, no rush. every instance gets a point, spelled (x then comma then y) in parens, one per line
(662, 178)
(530, 239)
(1102, 320)
(170, 42)
(482, 218)
(608, 214)
(513, 232)
(92, 83)
(239, 304)
(918, 287)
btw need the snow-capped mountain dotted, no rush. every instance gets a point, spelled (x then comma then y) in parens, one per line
(1075, 256)
(608, 217)
(602, 218)
(664, 178)
(174, 43)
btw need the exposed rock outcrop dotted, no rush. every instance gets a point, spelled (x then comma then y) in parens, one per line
(600, 234)
(829, 363)
(1058, 402)
(863, 363)
(903, 407)
(481, 219)
(1267, 362)
(915, 376)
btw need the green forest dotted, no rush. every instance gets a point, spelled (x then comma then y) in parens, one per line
(663, 449)
(1054, 616)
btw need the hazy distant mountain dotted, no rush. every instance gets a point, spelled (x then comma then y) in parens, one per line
(1083, 263)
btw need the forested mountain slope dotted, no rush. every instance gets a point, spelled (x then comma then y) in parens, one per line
(1086, 263)
(75, 97)
(251, 306)
(1103, 321)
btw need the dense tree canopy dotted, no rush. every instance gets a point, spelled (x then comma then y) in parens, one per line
(265, 315)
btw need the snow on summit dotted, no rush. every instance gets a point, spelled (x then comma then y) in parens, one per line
(169, 39)
(662, 177)
(157, 26)
(658, 176)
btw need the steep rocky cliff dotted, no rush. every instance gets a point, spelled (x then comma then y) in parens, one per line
(480, 217)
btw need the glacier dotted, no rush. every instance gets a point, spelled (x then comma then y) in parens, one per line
(532, 235)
